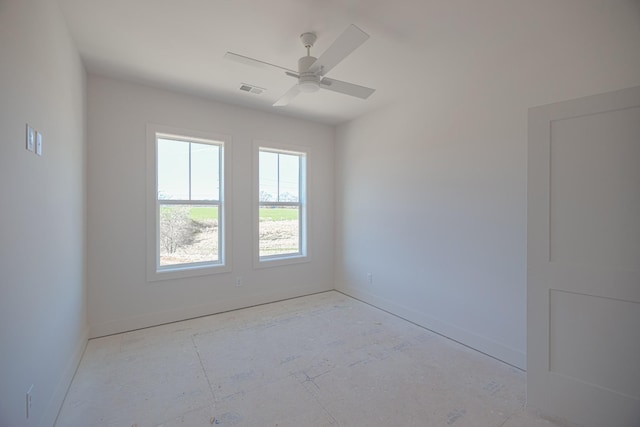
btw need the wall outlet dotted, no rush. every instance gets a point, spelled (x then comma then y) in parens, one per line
(238, 281)
(29, 400)
(370, 278)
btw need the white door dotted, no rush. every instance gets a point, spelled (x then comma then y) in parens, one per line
(583, 279)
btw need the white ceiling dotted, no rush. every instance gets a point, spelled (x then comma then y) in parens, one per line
(180, 44)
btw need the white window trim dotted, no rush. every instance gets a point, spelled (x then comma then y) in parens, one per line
(194, 269)
(305, 229)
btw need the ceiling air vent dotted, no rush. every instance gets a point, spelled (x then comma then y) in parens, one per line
(251, 88)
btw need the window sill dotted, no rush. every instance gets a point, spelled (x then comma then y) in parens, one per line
(279, 261)
(186, 271)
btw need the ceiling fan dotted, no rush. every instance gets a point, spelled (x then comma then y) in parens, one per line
(311, 71)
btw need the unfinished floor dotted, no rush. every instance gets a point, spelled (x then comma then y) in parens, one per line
(321, 360)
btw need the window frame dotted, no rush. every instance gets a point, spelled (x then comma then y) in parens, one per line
(303, 254)
(155, 272)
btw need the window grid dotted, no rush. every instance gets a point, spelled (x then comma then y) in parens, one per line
(160, 202)
(299, 204)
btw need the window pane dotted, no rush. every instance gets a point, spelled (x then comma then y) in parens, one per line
(289, 178)
(173, 170)
(268, 176)
(205, 168)
(279, 229)
(188, 234)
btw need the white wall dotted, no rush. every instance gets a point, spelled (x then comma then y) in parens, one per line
(43, 328)
(119, 296)
(444, 167)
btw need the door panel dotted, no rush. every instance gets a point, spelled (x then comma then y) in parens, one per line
(583, 288)
(591, 349)
(595, 175)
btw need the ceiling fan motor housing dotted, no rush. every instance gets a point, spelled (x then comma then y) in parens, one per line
(308, 80)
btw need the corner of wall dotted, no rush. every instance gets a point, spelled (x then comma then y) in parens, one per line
(60, 390)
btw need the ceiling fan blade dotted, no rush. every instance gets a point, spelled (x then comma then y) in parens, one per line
(287, 97)
(254, 62)
(346, 88)
(346, 43)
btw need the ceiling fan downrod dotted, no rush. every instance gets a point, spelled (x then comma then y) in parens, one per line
(308, 81)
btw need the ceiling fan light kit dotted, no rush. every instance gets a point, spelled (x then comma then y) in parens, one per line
(308, 81)
(311, 70)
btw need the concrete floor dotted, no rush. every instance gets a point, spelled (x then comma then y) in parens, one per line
(321, 360)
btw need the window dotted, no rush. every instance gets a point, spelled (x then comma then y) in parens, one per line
(188, 205)
(282, 204)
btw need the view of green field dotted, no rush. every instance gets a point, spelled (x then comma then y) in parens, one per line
(197, 213)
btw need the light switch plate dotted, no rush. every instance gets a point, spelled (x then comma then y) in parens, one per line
(31, 138)
(38, 143)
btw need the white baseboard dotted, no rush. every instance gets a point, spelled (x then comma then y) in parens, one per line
(482, 344)
(158, 318)
(60, 392)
